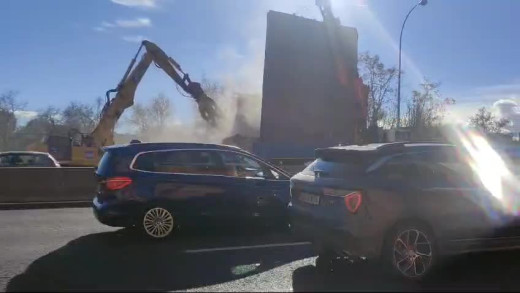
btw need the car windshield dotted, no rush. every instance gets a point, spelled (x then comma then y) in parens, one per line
(273, 145)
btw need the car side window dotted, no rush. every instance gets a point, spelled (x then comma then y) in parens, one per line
(449, 169)
(5, 161)
(243, 166)
(198, 162)
(400, 167)
(43, 161)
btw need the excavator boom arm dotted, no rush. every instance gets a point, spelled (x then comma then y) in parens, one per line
(103, 134)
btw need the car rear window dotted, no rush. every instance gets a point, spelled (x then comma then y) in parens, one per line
(113, 162)
(335, 168)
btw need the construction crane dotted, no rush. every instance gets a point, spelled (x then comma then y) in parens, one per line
(84, 149)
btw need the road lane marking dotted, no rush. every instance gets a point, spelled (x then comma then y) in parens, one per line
(246, 247)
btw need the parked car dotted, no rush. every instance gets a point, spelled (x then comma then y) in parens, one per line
(405, 204)
(159, 186)
(27, 159)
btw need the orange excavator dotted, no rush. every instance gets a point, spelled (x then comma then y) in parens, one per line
(84, 150)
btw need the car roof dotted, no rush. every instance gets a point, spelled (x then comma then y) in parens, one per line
(24, 153)
(153, 146)
(383, 148)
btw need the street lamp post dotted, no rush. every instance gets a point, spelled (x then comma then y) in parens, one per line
(422, 3)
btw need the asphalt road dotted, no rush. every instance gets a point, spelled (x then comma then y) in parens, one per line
(66, 249)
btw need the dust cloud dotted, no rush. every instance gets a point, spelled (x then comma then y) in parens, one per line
(239, 114)
(237, 91)
(239, 100)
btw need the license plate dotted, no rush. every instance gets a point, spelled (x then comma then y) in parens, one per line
(310, 198)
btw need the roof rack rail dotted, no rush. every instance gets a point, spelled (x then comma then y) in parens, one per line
(400, 145)
(392, 146)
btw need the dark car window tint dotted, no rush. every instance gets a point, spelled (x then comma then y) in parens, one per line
(114, 162)
(449, 169)
(335, 169)
(5, 161)
(405, 167)
(439, 168)
(448, 155)
(26, 160)
(187, 162)
(104, 163)
(242, 166)
(43, 161)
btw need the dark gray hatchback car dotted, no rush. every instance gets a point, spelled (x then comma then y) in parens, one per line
(402, 203)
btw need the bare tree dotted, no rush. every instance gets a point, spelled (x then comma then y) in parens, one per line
(50, 116)
(8, 107)
(379, 80)
(98, 108)
(425, 109)
(486, 122)
(212, 88)
(139, 118)
(151, 118)
(160, 109)
(79, 116)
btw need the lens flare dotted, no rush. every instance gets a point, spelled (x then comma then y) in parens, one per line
(492, 169)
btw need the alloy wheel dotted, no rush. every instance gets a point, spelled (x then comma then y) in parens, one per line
(412, 253)
(158, 222)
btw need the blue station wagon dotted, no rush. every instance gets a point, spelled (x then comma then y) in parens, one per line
(158, 187)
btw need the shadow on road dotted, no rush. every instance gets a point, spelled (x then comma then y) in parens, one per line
(124, 260)
(478, 272)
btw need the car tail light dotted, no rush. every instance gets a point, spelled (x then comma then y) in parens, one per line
(116, 183)
(353, 201)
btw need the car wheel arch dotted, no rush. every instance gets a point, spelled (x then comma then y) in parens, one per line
(406, 221)
(405, 224)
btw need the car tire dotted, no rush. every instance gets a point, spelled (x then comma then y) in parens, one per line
(410, 251)
(158, 223)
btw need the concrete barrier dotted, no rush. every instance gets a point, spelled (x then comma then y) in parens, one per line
(25, 185)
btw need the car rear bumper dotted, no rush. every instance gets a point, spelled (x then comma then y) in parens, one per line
(116, 214)
(337, 238)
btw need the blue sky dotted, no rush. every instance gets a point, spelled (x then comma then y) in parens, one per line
(58, 51)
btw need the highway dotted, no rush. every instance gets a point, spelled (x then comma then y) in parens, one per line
(66, 249)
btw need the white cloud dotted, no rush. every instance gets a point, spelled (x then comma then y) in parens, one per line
(23, 117)
(107, 24)
(138, 22)
(509, 109)
(133, 39)
(126, 23)
(501, 99)
(136, 3)
(25, 114)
